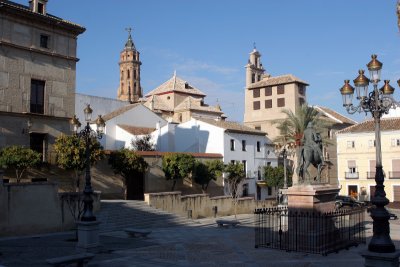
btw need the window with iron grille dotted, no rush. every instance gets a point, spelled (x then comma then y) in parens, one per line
(256, 105)
(268, 103)
(256, 93)
(268, 91)
(281, 89)
(280, 102)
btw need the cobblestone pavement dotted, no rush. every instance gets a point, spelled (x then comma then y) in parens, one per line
(203, 244)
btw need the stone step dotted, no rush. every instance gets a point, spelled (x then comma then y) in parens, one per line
(116, 215)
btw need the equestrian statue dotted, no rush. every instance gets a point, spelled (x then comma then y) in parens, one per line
(310, 153)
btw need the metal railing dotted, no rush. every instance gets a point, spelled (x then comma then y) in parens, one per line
(311, 232)
(394, 175)
(351, 175)
(371, 175)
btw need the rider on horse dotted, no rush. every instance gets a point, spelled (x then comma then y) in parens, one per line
(311, 152)
(312, 139)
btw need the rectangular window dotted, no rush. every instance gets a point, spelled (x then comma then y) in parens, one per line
(257, 128)
(280, 102)
(269, 190)
(371, 143)
(268, 91)
(258, 146)
(301, 101)
(302, 89)
(40, 8)
(37, 96)
(244, 166)
(281, 89)
(350, 144)
(253, 78)
(269, 163)
(256, 105)
(232, 145)
(233, 161)
(395, 142)
(243, 145)
(44, 41)
(258, 174)
(268, 103)
(259, 77)
(256, 93)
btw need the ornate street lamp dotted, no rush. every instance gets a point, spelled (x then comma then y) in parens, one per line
(87, 134)
(377, 102)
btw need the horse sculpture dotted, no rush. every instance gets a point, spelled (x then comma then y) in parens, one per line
(310, 153)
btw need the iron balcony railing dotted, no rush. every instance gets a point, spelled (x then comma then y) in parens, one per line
(371, 175)
(310, 232)
(394, 175)
(351, 175)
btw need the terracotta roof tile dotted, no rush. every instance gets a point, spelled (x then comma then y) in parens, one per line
(390, 124)
(119, 111)
(194, 104)
(335, 116)
(233, 127)
(158, 104)
(136, 130)
(271, 81)
(176, 84)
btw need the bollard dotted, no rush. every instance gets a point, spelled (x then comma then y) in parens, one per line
(215, 211)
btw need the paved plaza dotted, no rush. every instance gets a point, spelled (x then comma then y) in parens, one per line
(193, 243)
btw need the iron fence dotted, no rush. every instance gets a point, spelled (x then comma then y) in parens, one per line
(311, 232)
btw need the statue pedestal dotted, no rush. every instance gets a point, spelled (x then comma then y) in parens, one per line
(313, 197)
(88, 236)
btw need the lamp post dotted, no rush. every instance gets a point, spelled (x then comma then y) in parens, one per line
(284, 150)
(87, 134)
(377, 102)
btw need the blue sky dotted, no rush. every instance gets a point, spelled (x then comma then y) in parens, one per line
(208, 43)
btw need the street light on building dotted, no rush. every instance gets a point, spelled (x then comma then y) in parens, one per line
(87, 134)
(377, 102)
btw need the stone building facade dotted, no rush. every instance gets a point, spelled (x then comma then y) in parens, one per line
(37, 75)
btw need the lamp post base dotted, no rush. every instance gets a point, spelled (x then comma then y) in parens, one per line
(88, 236)
(373, 259)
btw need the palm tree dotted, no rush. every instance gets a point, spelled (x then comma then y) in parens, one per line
(292, 127)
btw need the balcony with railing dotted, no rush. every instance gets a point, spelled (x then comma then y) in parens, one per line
(371, 175)
(394, 175)
(351, 175)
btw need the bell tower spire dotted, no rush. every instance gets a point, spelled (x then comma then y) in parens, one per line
(129, 71)
(254, 67)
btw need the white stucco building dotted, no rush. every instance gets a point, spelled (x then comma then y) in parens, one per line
(234, 141)
(127, 123)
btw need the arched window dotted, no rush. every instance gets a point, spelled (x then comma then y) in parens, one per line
(134, 87)
(129, 74)
(122, 75)
(134, 74)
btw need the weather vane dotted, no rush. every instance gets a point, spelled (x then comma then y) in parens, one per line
(129, 29)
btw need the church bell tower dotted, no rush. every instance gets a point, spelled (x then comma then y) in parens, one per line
(129, 72)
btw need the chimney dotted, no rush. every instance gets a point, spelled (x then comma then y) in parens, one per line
(38, 6)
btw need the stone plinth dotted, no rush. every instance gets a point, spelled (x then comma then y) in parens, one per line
(373, 259)
(319, 197)
(88, 236)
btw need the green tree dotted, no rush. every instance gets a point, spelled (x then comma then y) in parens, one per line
(177, 166)
(71, 154)
(274, 176)
(205, 172)
(143, 143)
(20, 159)
(234, 181)
(128, 164)
(291, 128)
